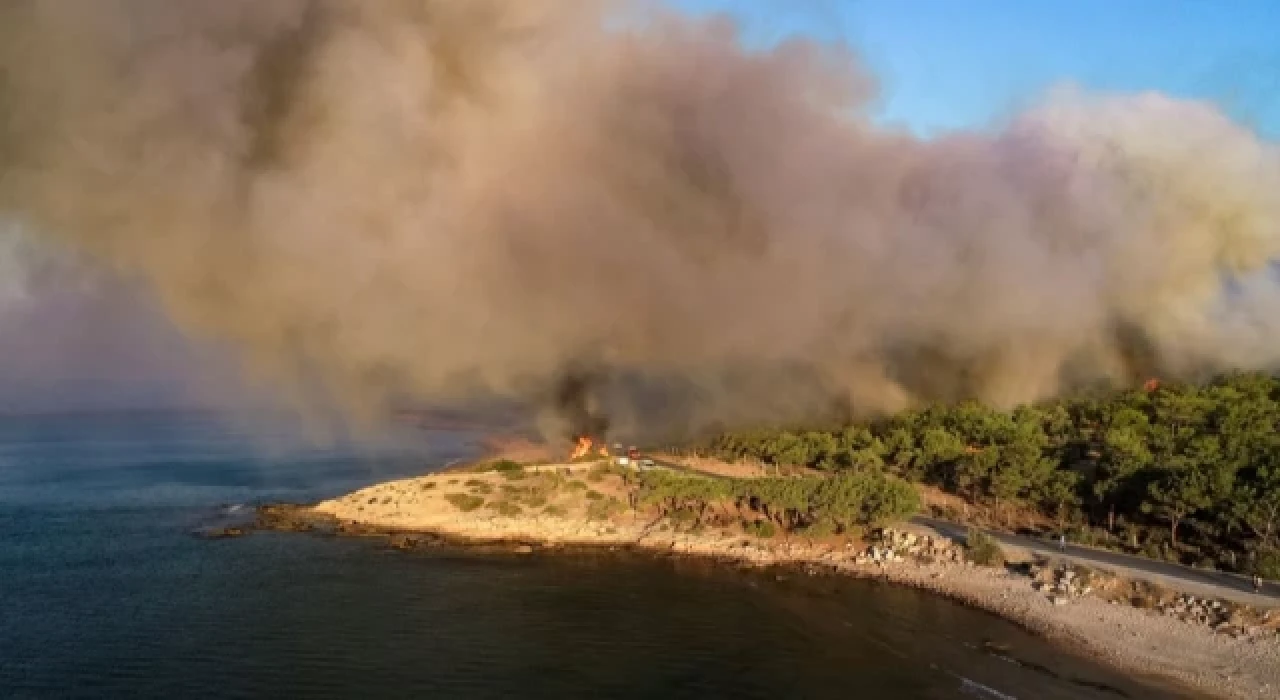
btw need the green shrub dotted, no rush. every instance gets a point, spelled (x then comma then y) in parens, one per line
(760, 528)
(594, 495)
(555, 511)
(515, 476)
(822, 528)
(551, 481)
(983, 550)
(506, 465)
(1267, 564)
(478, 486)
(464, 502)
(682, 516)
(577, 485)
(846, 500)
(506, 508)
(602, 510)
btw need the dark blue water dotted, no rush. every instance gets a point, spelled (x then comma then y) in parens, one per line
(105, 593)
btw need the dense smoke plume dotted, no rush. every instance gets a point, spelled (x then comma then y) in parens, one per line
(438, 199)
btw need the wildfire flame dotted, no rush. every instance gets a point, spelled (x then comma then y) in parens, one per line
(1151, 385)
(582, 449)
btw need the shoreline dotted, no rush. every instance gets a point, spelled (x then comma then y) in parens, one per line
(1243, 663)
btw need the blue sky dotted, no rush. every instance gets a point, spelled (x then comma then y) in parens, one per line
(948, 64)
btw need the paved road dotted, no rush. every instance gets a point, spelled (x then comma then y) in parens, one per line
(1201, 582)
(1186, 579)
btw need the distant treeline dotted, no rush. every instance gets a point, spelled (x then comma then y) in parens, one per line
(1180, 472)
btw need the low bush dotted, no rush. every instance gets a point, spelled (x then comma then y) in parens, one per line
(464, 502)
(844, 501)
(506, 509)
(1267, 564)
(983, 550)
(760, 528)
(603, 509)
(682, 516)
(506, 465)
(822, 528)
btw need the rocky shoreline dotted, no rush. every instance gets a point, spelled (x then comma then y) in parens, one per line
(1213, 647)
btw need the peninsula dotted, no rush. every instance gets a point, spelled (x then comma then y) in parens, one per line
(742, 516)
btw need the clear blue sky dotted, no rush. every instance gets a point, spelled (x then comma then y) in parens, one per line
(948, 64)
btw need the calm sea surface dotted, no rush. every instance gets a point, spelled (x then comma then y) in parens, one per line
(105, 593)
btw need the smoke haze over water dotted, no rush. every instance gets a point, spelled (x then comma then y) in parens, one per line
(438, 199)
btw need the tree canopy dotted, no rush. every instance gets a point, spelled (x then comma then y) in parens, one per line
(1182, 471)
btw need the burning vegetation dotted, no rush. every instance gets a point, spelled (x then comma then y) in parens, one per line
(583, 448)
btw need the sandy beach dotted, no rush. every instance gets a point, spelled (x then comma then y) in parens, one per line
(1220, 650)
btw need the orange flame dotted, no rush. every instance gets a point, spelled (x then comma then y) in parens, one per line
(1151, 385)
(582, 449)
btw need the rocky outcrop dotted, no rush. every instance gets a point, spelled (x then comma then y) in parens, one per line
(889, 546)
(1063, 583)
(287, 517)
(1222, 616)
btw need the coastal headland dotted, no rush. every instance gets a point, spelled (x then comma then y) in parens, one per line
(1208, 644)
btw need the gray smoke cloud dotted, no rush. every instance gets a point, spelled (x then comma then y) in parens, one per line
(441, 199)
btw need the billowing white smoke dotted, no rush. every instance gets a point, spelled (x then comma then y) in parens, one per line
(439, 198)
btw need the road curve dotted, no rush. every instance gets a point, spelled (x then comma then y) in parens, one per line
(1186, 579)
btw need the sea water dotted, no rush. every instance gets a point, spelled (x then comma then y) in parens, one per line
(105, 593)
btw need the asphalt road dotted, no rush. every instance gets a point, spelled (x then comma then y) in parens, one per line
(1201, 582)
(1186, 579)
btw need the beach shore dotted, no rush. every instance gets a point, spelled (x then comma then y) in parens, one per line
(1220, 651)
